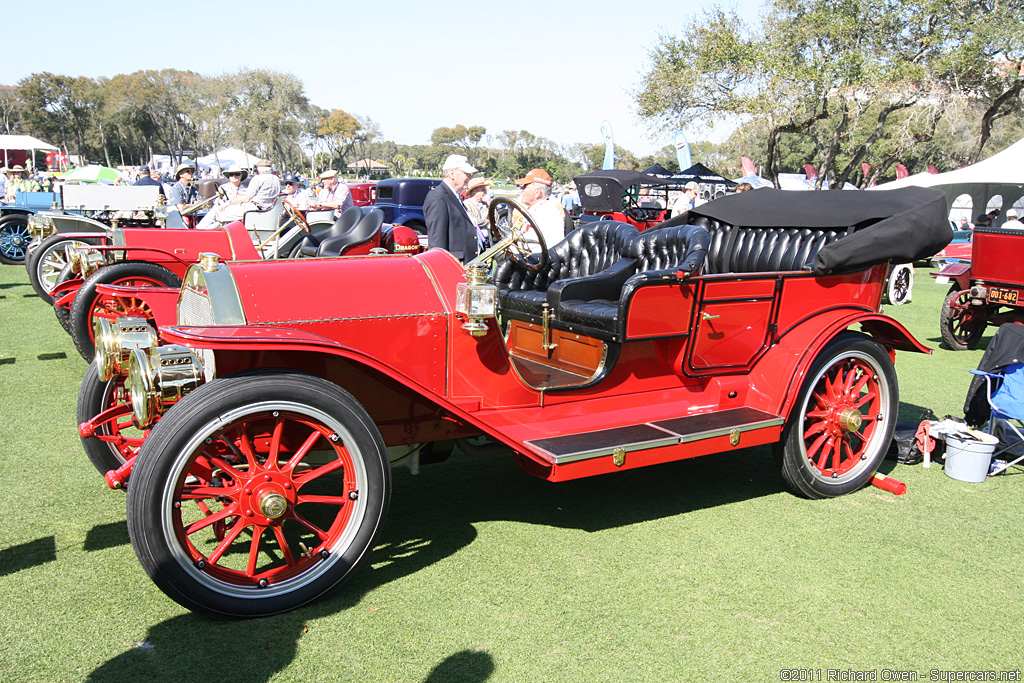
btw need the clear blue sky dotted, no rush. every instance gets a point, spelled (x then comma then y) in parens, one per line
(554, 68)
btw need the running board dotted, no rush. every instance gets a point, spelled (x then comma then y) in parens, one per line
(620, 440)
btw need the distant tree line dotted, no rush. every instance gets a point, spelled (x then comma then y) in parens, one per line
(126, 119)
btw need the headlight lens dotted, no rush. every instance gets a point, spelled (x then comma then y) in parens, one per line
(115, 341)
(159, 378)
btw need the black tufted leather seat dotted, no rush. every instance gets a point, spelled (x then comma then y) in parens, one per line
(736, 249)
(587, 250)
(348, 218)
(366, 229)
(598, 305)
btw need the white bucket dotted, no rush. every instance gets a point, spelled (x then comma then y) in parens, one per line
(969, 459)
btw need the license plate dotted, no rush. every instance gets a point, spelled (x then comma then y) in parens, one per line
(999, 295)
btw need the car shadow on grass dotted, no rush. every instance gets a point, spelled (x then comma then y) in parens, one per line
(432, 517)
(27, 555)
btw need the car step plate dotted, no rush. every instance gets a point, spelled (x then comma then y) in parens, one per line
(573, 447)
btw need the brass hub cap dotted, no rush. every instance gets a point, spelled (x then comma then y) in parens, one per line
(273, 505)
(850, 420)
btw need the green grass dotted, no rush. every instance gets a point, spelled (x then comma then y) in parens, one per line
(692, 571)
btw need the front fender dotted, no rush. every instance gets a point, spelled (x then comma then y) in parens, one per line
(162, 301)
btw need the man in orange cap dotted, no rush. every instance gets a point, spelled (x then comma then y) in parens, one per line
(543, 208)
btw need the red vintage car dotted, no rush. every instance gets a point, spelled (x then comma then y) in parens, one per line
(274, 414)
(986, 286)
(137, 259)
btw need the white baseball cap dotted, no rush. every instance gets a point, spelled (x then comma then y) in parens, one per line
(459, 162)
(1011, 213)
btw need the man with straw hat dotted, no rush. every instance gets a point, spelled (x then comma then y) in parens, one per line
(183, 192)
(334, 195)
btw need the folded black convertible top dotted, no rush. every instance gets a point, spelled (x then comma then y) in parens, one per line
(900, 225)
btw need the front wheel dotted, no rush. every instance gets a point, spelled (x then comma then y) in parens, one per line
(961, 324)
(257, 494)
(14, 238)
(116, 440)
(840, 428)
(45, 262)
(90, 305)
(899, 287)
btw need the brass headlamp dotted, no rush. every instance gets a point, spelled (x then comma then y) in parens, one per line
(158, 378)
(84, 260)
(476, 299)
(115, 341)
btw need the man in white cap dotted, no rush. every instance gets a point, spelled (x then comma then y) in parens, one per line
(1012, 223)
(449, 226)
(259, 196)
(689, 200)
(334, 195)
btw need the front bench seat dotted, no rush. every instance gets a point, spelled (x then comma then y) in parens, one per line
(348, 218)
(597, 305)
(366, 230)
(587, 250)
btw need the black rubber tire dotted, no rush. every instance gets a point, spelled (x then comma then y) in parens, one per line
(13, 226)
(961, 328)
(81, 310)
(419, 226)
(64, 314)
(94, 396)
(47, 256)
(803, 476)
(157, 511)
(899, 286)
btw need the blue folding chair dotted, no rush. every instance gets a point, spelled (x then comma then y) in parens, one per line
(1005, 394)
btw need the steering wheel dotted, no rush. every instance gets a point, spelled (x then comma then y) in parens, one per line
(517, 223)
(296, 215)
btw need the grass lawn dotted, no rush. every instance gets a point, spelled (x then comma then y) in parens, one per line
(706, 570)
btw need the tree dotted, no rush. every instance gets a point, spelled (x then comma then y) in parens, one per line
(340, 131)
(10, 109)
(857, 77)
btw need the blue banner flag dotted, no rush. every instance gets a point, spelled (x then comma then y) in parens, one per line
(682, 151)
(609, 146)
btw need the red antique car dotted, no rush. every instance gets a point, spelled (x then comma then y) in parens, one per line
(987, 287)
(136, 259)
(265, 477)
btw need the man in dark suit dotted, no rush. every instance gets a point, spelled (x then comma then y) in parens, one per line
(448, 224)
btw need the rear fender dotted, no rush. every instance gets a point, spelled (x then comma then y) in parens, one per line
(883, 329)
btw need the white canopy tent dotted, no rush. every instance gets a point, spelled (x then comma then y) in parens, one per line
(24, 143)
(222, 159)
(1001, 175)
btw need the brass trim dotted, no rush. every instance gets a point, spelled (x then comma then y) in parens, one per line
(619, 456)
(221, 290)
(734, 437)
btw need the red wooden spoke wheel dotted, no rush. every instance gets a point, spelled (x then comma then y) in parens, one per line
(961, 324)
(842, 423)
(104, 412)
(90, 304)
(258, 494)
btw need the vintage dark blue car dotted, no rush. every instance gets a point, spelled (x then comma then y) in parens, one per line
(401, 200)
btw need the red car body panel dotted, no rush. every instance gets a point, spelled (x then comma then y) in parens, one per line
(753, 338)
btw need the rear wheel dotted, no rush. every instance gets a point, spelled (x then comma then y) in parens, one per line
(14, 238)
(961, 324)
(45, 262)
(899, 287)
(838, 431)
(257, 494)
(89, 304)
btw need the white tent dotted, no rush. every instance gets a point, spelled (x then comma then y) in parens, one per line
(227, 157)
(25, 143)
(1001, 174)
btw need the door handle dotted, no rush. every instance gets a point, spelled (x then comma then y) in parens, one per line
(707, 316)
